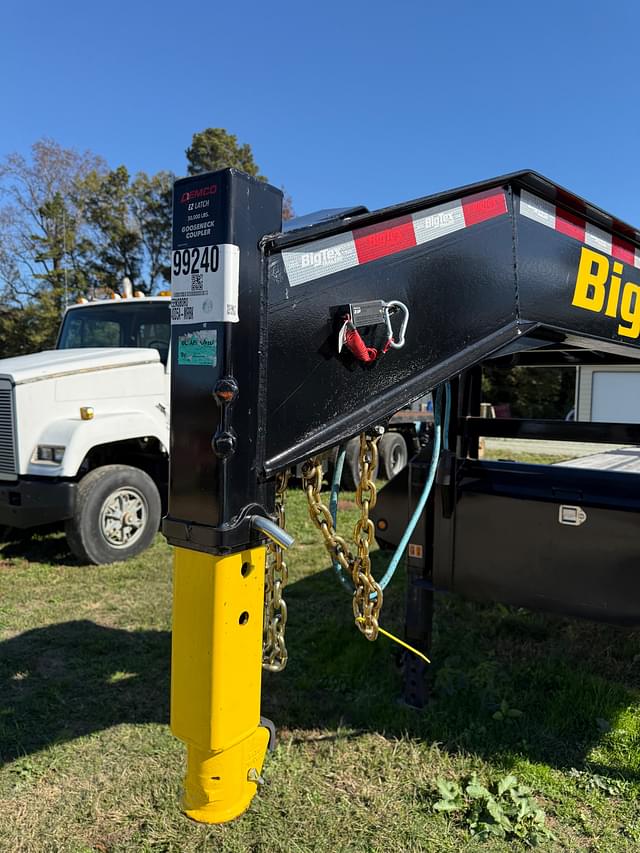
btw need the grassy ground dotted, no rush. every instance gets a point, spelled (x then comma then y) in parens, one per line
(90, 765)
(528, 458)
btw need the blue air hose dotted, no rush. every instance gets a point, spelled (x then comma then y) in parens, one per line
(426, 491)
(422, 501)
(447, 415)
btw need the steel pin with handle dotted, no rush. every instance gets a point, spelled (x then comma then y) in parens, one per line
(272, 530)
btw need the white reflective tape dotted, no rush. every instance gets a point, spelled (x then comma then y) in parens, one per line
(438, 221)
(596, 237)
(636, 259)
(535, 208)
(320, 258)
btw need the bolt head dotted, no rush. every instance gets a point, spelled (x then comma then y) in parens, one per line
(224, 444)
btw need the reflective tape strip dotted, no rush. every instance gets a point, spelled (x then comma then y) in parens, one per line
(598, 238)
(537, 209)
(570, 224)
(322, 257)
(363, 245)
(438, 221)
(483, 206)
(386, 238)
(623, 251)
(578, 228)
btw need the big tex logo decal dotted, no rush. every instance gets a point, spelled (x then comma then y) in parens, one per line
(599, 288)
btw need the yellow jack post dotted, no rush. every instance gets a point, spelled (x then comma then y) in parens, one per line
(215, 679)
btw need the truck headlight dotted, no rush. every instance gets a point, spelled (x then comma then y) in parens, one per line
(50, 453)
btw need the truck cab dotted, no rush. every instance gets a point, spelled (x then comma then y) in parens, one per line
(84, 431)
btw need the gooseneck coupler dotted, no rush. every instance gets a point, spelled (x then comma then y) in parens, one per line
(217, 518)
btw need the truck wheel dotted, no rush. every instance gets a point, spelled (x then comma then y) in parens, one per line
(117, 514)
(351, 470)
(393, 454)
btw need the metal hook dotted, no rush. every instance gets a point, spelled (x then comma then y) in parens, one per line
(403, 328)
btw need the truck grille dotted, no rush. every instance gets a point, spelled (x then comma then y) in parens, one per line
(7, 443)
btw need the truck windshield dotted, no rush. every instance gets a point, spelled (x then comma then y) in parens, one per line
(123, 324)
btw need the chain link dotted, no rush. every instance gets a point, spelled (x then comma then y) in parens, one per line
(367, 595)
(274, 650)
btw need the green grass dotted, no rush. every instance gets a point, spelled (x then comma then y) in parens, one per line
(90, 765)
(524, 456)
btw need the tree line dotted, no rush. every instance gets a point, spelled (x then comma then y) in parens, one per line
(71, 227)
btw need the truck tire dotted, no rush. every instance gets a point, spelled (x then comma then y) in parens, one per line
(393, 454)
(117, 514)
(351, 470)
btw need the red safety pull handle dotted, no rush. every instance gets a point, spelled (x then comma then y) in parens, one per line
(357, 347)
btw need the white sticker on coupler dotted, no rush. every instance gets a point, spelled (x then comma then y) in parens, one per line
(204, 284)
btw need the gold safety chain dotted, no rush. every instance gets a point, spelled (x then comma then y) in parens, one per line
(367, 596)
(274, 650)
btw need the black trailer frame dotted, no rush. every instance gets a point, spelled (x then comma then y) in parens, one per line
(514, 269)
(546, 537)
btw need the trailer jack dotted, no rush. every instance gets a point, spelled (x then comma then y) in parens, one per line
(216, 675)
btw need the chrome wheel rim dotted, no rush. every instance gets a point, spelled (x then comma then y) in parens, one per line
(123, 517)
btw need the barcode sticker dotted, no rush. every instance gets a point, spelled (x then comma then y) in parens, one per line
(204, 284)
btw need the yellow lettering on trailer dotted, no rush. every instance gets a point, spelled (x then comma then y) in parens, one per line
(593, 272)
(596, 290)
(630, 310)
(614, 291)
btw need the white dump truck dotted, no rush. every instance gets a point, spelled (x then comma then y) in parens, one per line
(84, 429)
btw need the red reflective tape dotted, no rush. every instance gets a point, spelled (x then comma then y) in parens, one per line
(377, 241)
(570, 224)
(482, 206)
(623, 251)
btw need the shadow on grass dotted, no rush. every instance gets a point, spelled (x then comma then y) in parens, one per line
(71, 679)
(46, 545)
(560, 684)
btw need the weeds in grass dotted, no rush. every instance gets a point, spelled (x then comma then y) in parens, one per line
(504, 712)
(505, 809)
(595, 783)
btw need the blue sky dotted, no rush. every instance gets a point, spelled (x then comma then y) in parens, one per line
(342, 102)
